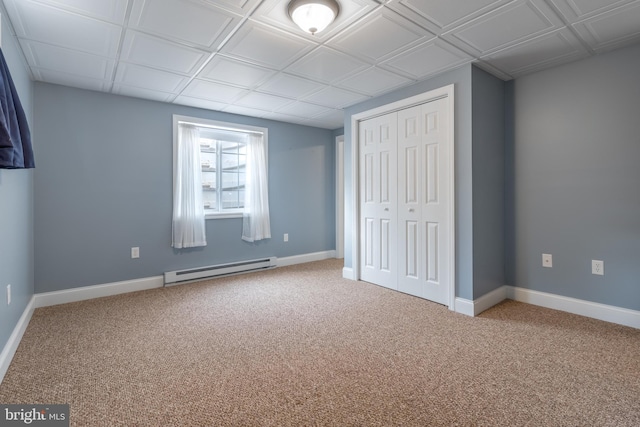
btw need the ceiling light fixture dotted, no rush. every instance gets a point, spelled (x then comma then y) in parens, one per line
(313, 16)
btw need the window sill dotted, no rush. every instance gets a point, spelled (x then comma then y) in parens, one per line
(224, 215)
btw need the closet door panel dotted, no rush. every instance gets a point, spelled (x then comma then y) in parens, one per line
(435, 201)
(410, 188)
(378, 200)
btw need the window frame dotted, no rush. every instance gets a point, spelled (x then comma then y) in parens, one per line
(216, 124)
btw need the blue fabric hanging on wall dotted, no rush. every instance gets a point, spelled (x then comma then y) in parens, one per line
(16, 151)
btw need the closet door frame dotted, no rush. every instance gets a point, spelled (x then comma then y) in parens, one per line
(443, 92)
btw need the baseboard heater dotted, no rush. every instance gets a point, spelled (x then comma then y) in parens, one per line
(190, 275)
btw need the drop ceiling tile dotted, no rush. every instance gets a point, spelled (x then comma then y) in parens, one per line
(303, 109)
(240, 7)
(185, 21)
(374, 81)
(149, 78)
(68, 61)
(290, 86)
(574, 10)
(213, 91)
(199, 103)
(263, 101)
(267, 46)
(245, 111)
(333, 119)
(378, 36)
(72, 80)
(138, 92)
(334, 97)
(50, 25)
(439, 15)
(542, 52)
(327, 65)
(144, 49)
(112, 10)
(505, 26)
(226, 70)
(280, 117)
(275, 13)
(613, 29)
(427, 59)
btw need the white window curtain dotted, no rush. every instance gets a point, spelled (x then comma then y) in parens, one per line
(256, 223)
(188, 209)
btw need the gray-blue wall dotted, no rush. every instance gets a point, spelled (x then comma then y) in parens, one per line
(488, 182)
(16, 207)
(104, 184)
(574, 179)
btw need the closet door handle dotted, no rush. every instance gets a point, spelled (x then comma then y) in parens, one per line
(386, 209)
(410, 209)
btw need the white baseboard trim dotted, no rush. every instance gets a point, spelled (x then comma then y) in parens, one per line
(464, 306)
(301, 259)
(608, 313)
(14, 339)
(348, 273)
(65, 296)
(485, 302)
(490, 299)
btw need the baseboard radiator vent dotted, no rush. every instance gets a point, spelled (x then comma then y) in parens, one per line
(183, 276)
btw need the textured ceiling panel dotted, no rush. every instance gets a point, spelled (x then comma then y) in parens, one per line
(427, 59)
(266, 46)
(327, 65)
(444, 14)
(517, 21)
(44, 56)
(112, 11)
(225, 70)
(379, 36)
(373, 81)
(247, 57)
(185, 21)
(151, 51)
(611, 29)
(551, 49)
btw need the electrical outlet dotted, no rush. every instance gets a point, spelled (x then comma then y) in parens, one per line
(597, 267)
(547, 260)
(286, 237)
(135, 252)
(8, 294)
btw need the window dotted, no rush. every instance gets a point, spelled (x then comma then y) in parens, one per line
(223, 174)
(223, 159)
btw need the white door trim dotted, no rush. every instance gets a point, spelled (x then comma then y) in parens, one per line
(340, 196)
(443, 92)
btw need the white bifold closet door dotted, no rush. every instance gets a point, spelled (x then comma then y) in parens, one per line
(409, 232)
(378, 200)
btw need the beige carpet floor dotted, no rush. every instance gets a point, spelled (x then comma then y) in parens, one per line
(300, 346)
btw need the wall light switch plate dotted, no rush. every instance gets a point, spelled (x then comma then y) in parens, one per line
(135, 252)
(547, 260)
(8, 294)
(286, 237)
